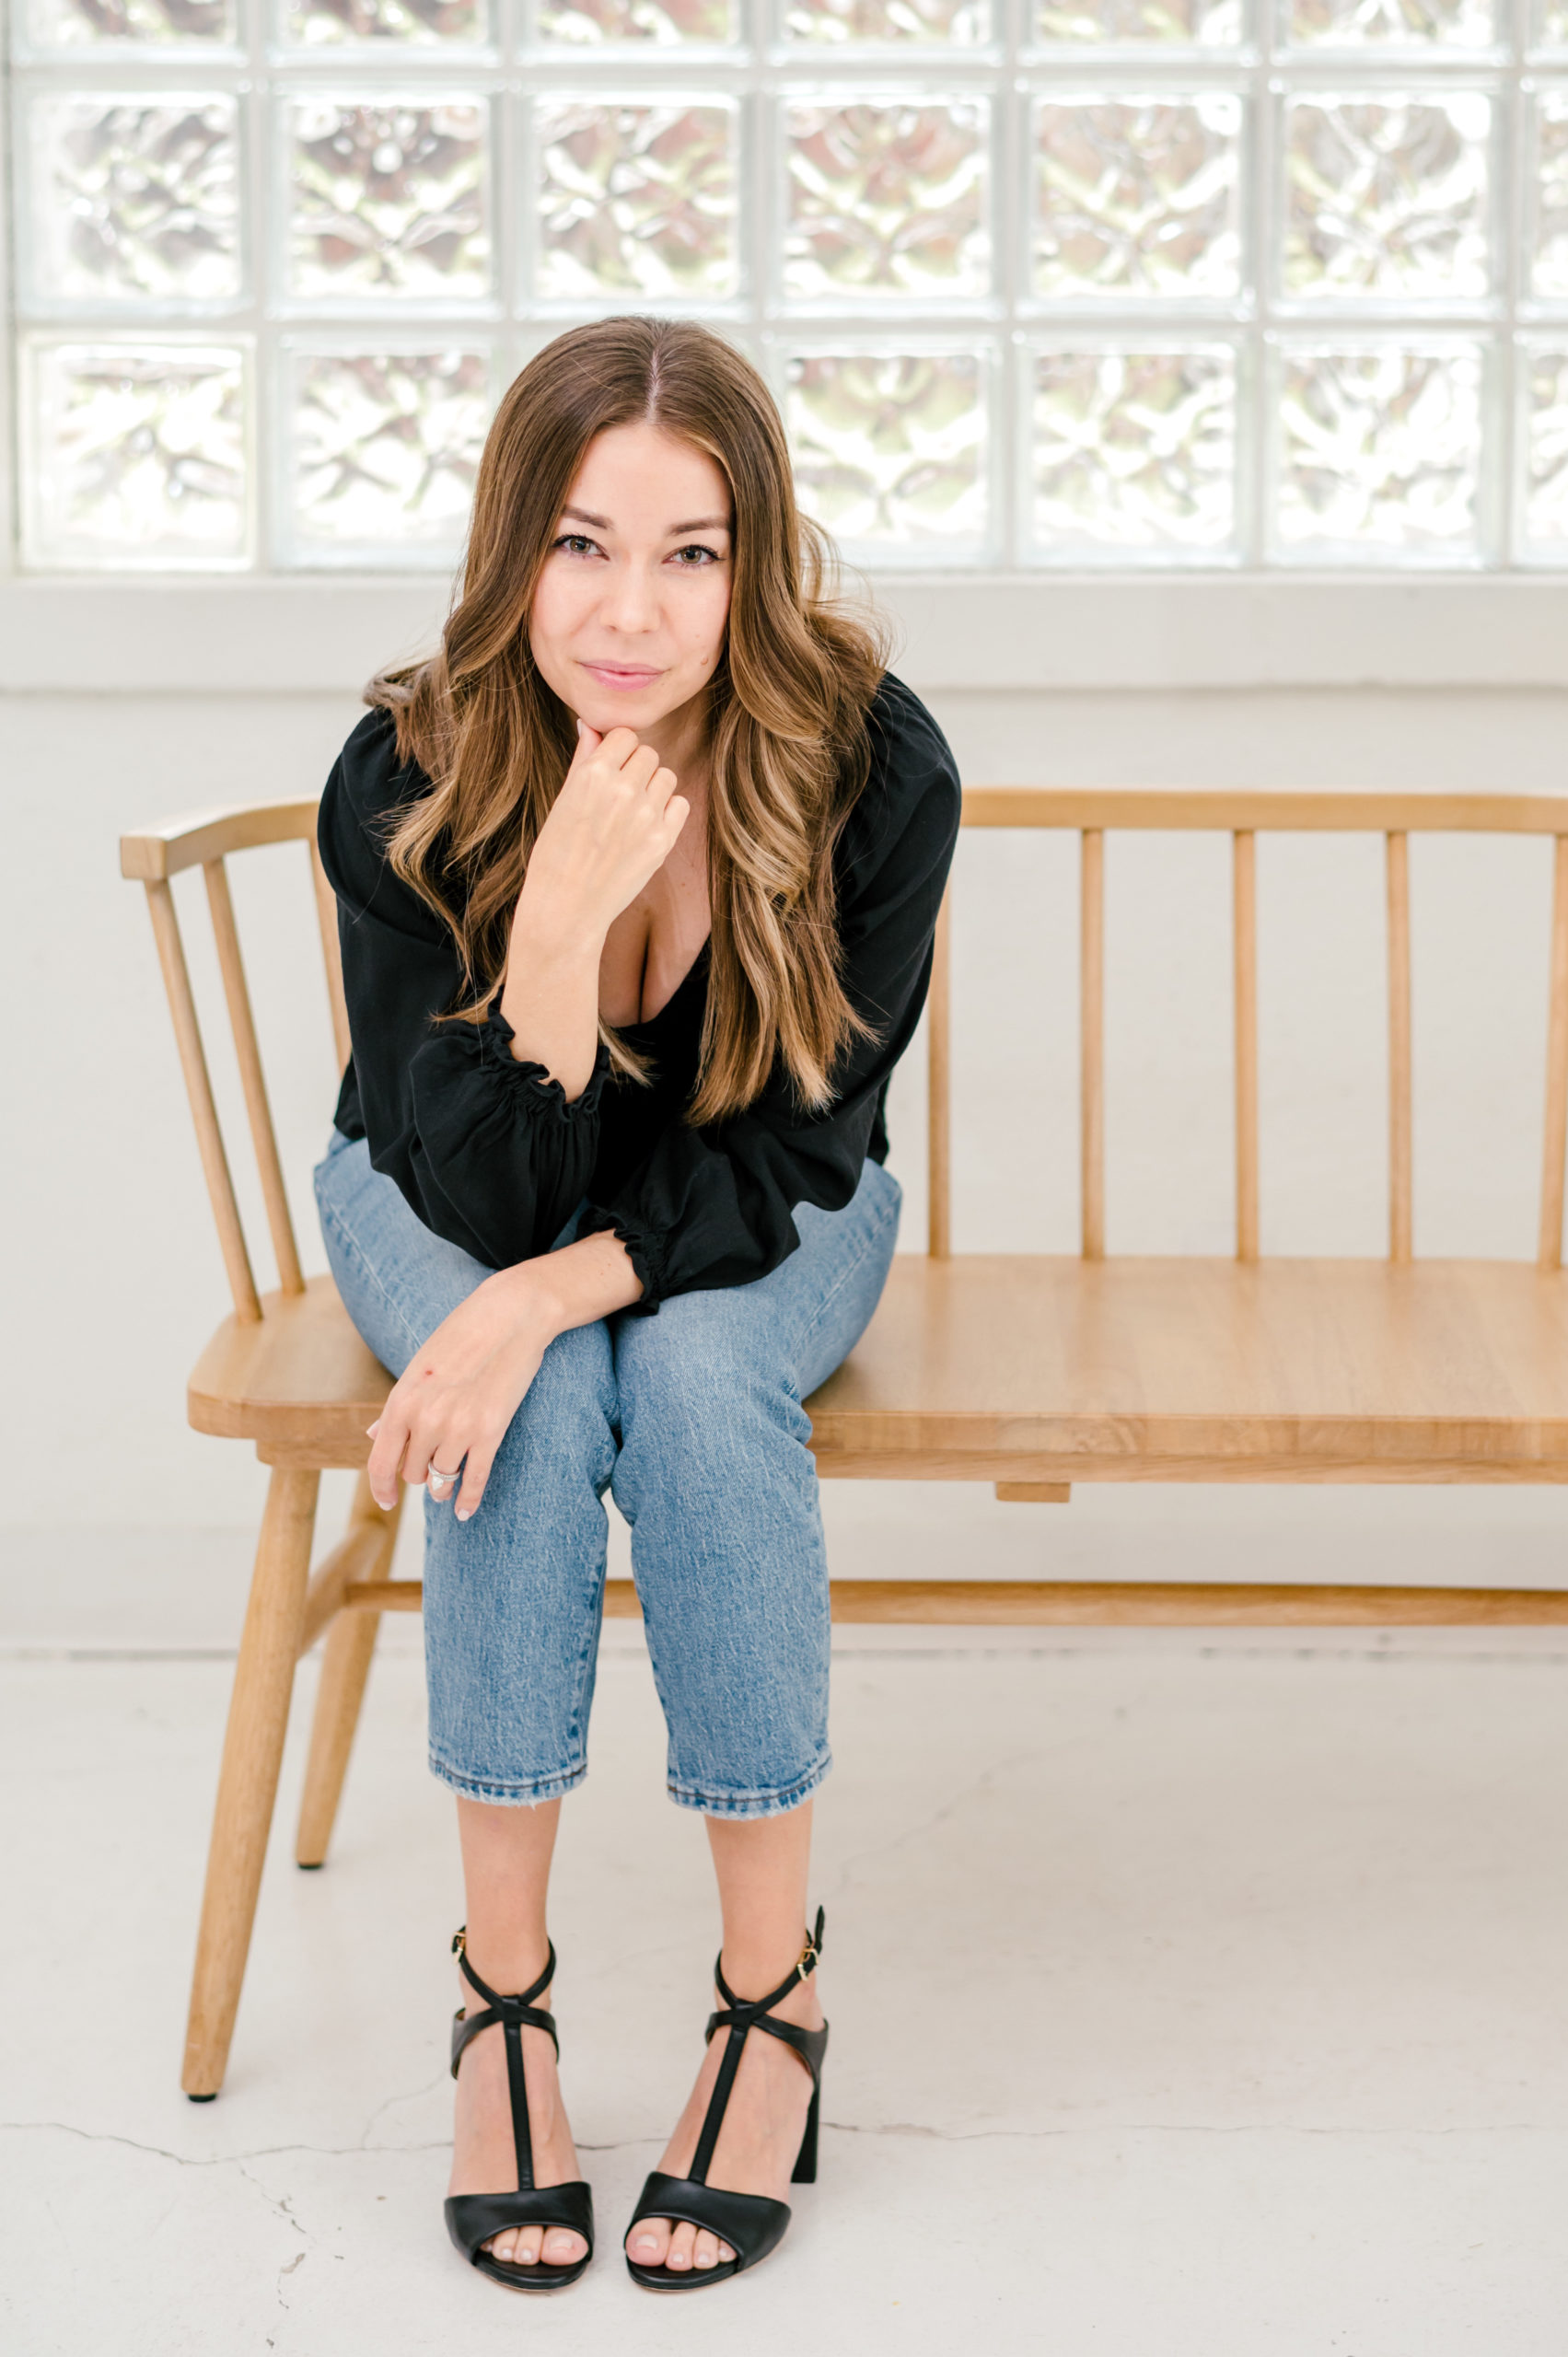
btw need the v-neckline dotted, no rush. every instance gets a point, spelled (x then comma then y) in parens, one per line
(651, 1022)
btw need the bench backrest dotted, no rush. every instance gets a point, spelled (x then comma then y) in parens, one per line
(151, 857)
(154, 856)
(1090, 813)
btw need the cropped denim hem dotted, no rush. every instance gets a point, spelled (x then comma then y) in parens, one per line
(547, 1788)
(775, 1804)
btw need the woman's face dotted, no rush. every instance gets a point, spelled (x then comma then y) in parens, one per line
(629, 617)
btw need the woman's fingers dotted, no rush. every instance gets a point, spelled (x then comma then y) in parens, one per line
(391, 1430)
(476, 1473)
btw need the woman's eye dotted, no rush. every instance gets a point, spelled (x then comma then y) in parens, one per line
(696, 554)
(576, 543)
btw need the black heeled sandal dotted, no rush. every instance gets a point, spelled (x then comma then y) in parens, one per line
(749, 2222)
(474, 2218)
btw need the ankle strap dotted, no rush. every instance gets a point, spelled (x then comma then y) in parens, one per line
(806, 1966)
(515, 2014)
(740, 2018)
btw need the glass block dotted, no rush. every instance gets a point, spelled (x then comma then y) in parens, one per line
(425, 24)
(1419, 25)
(589, 24)
(1387, 196)
(890, 448)
(1544, 374)
(637, 200)
(137, 454)
(1138, 196)
(1170, 24)
(166, 24)
(886, 199)
(385, 449)
(388, 200)
(1380, 452)
(1549, 260)
(921, 24)
(1133, 451)
(136, 197)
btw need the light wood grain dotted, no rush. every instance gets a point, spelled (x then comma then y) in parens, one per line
(350, 1644)
(248, 1780)
(203, 1111)
(1097, 1367)
(1091, 1041)
(1177, 810)
(1034, 1493)
(1400, 1178)
(1549, 1249)
(300, 1374)
(939, 1116)
(252, 1080)
(155, 853)
(1145, 1604)
(331, 955)
(1244, 944)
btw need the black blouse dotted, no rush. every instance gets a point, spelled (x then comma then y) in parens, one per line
(489, 1152)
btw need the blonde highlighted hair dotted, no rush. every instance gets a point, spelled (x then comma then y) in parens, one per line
(788, 744)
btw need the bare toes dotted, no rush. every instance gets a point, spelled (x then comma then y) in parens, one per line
(649, 2242)
(562, 2247)
(680, 2242)
(527, 2252)
(705, 2250)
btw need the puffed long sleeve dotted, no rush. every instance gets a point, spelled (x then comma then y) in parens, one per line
(487, 1151)
(713, 1206)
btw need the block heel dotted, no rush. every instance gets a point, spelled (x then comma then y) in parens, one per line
(749, 2222)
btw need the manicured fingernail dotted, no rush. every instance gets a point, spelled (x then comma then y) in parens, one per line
(371, 1430)
(463, 1513)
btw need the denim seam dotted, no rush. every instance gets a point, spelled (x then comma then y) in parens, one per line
(770, 1803)
(480, 1788)
(331, 1217)
(873, 1238)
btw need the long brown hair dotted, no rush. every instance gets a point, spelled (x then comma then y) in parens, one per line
(787, 740)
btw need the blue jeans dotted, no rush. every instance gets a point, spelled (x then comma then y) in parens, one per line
(693, 1420)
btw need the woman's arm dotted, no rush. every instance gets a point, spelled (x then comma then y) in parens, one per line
(610, 828)
(459, 1394)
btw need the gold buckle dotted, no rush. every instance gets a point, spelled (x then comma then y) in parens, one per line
(459, 1940)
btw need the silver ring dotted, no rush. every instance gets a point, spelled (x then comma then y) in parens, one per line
(435, 1479)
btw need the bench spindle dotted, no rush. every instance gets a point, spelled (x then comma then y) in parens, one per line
(939, 1153)
(252, 1080)
(1091, 1041)
(1550, 1254)
(1245, 931)
(1400, 1179)
(326, 919)
(204, 1111)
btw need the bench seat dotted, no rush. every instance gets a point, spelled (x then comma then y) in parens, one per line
(1039, 1369)
(1018, 1368)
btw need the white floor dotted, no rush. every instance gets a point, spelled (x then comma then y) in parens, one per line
(1190, 1998)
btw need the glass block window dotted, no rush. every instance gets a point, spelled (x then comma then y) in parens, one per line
(1113, 283)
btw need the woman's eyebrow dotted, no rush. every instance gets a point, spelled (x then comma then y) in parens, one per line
(603, 524)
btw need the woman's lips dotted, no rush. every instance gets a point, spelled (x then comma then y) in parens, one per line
(623, 676)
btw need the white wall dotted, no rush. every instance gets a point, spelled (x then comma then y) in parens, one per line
(114, 1279)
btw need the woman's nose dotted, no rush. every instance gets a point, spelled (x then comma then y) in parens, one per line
(632, 601)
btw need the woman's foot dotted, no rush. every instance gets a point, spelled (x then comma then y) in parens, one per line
(484, 2158)
(759, 2141)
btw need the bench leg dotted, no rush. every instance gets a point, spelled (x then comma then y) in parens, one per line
(351, 1640)
(247, 1782)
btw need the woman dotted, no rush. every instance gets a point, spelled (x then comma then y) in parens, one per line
(637, 879)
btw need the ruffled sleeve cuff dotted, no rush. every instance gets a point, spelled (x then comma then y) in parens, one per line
(547, 1099)
(647, 1247)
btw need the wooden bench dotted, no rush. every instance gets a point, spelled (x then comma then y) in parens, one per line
(1029, 1372)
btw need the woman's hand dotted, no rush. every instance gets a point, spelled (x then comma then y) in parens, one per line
(450, 1409)
(611, 827)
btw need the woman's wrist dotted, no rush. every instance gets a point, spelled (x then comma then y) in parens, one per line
(533, 1304)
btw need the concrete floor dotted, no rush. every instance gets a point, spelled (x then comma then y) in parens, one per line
(1190, 1998)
